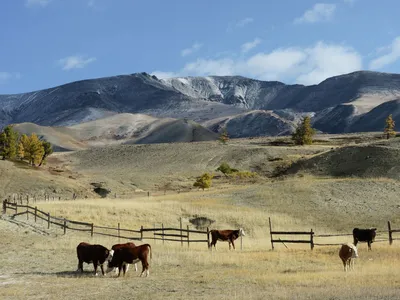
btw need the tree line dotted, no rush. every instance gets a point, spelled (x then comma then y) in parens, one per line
(24, 147)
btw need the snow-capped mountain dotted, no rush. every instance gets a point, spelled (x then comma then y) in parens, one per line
(246, 107)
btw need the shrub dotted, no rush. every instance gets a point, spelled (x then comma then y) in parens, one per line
(204, 181)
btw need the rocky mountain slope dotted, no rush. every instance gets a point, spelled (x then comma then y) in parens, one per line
(247, 107)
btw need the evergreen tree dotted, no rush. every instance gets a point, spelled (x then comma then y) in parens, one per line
(389, 127)
(8, 142)
(304, 132)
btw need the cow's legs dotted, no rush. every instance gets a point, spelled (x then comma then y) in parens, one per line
(135, 267)
(119, 269)
(233, 245)
(95, 268)
(80, 266)
(369, 246)
(124, 268)
(102, 269)
(145, 267)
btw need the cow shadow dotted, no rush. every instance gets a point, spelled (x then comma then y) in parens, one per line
(65, 274)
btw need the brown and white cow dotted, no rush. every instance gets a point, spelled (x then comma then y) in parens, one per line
(129, 255)
(119, 246)
(347, 253)
(225, 235)
(96, 254)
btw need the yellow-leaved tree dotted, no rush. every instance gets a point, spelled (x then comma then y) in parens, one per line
(389, 127)
(31, 149)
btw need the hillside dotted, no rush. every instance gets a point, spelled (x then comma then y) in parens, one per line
(338, 104)
(119, 129)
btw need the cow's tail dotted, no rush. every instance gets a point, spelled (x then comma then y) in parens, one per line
(151, 256)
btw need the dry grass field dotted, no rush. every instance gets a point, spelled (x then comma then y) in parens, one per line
(37, 263)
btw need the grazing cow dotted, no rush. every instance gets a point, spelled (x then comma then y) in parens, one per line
(225, 235)
(119, 246)
(347, 253)
(364, 235)
(129, 255)
(96, 254)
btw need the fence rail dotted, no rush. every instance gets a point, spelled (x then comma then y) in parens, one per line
(312, 237)
(167, 233)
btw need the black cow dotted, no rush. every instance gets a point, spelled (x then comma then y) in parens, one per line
(364, 235)
(96, 254)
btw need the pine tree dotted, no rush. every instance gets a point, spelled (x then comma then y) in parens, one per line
(304, 132)
(8, 142)
(389, 127)
(204, 181)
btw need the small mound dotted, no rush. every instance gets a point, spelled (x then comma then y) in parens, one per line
(368, 161)
(177, 131)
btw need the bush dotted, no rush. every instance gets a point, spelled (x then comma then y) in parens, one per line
(226, 169)
(204, 181)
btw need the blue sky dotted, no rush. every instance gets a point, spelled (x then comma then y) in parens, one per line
(44, 43)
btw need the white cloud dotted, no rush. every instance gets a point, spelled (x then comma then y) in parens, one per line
(244, 22)
(196, 46)
(75, 62)
(163, 75)
(319, 13)
(43, 3)
(392, 56)
(350, 2)
(225, 66)
(7, 76)
(309, 65)
(250, 45)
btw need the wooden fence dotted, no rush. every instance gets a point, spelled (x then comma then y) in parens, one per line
(182, 235)
(312, 237)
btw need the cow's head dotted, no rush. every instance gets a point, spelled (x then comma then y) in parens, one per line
(241, 232)
(109, 260)
(354, 253)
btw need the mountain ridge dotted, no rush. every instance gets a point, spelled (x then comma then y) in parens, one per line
(336, 104)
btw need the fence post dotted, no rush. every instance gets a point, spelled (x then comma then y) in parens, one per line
(48, 221)
(208, 238)
(4, 207)
(92, 230)
(188, 236)
(270, 233)
(35, 213)
(141, 233)
(312, 239)
(27, 212)
(65, 226)
(16, 208)
(241, 242)
(390, 233)
(162, 226)
(119, 236)
(180, 223)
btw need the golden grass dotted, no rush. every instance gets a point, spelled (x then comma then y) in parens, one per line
(42, 266)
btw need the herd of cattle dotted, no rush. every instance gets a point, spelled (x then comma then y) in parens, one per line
(121, 255)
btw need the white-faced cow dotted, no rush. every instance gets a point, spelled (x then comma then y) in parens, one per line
(364, 235)
(225, 235)
(347, 253)
(119, 246)
(130, 255)
(96, 254)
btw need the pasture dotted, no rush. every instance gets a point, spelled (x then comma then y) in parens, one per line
(41, 264)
